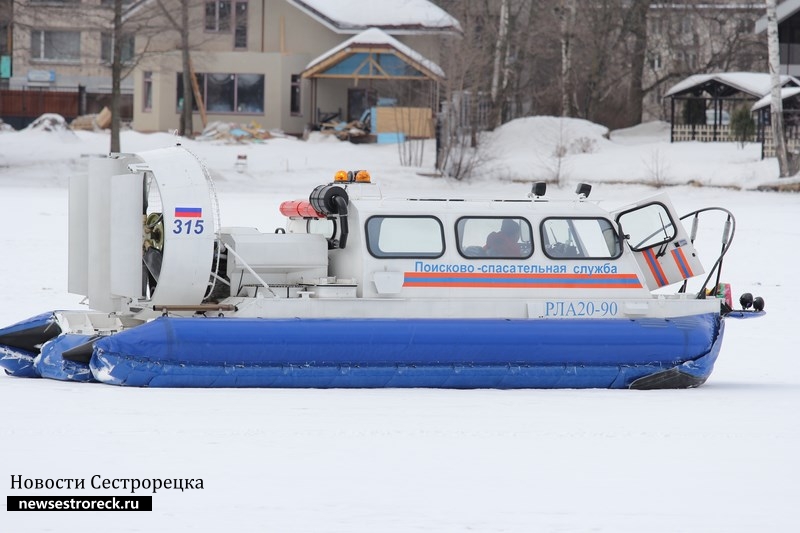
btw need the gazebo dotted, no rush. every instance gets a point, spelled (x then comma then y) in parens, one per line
(376, 69)
(790, 97)
(701, 105)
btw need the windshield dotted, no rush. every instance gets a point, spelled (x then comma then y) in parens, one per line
(647, 226)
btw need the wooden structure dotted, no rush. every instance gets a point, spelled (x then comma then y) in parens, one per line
(701, 104)
(377, 58)
(414, 122)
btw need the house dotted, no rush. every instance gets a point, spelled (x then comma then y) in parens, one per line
(685, 38)
(56, 57)
(6, 17)
(790, 97)
(288, 64)
(788, 13)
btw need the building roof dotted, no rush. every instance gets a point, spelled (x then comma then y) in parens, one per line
(785, 10)
(753, 83)
(392, 16)
(354, 16)
(786, 92)
(375, 54)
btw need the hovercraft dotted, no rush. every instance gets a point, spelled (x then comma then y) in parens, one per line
(360, 290)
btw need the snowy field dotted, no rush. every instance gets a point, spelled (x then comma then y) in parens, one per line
(722, 458)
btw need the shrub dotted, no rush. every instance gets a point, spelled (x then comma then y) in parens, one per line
(743, 127)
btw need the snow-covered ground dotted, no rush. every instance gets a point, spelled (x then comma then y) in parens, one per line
(720, 458)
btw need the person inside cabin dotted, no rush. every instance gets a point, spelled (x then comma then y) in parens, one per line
(504, 243)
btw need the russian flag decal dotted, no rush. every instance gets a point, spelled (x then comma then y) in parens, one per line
(188, 212)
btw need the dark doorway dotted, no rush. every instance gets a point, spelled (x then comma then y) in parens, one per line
(358, 101)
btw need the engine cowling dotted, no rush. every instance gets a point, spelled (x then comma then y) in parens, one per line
(134, 217)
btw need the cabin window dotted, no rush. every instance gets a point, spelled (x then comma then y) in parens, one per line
(647, 226)
(494, 237)
(405, 237)
(579, 238)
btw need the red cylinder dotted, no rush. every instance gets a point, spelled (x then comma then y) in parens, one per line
(299, 208)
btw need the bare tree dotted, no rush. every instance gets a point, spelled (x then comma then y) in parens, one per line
(777, 102)
(567, 12)
(636, 27)
(629, 50)
(181, 25)
(116, 76)
(500, 60)
(468, 62)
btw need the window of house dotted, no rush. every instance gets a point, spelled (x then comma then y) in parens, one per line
(218, 16)
(744, 26)
(107, 47)
(655, 62)
(3, 38)
(227, 93)
(147, 91)
(655, 25)
(240, 29)
(220, 93)
(56, 45)
(390, 237)
(249, 93)
(294, 100)
(201, 82)
(494, 237)
(686, 24)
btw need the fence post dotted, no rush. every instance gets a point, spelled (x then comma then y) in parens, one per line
(438, 134)
(81, 100)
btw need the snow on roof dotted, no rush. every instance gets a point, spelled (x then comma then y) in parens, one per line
(395, 16)
(754, 83)
(375, 36)
(786, 92)
(785, 10)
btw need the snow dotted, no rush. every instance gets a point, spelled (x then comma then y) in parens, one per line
(718, 459)
(754, 83)
(785, 9)
(375, 36)
(394, 14)
(786, 92)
